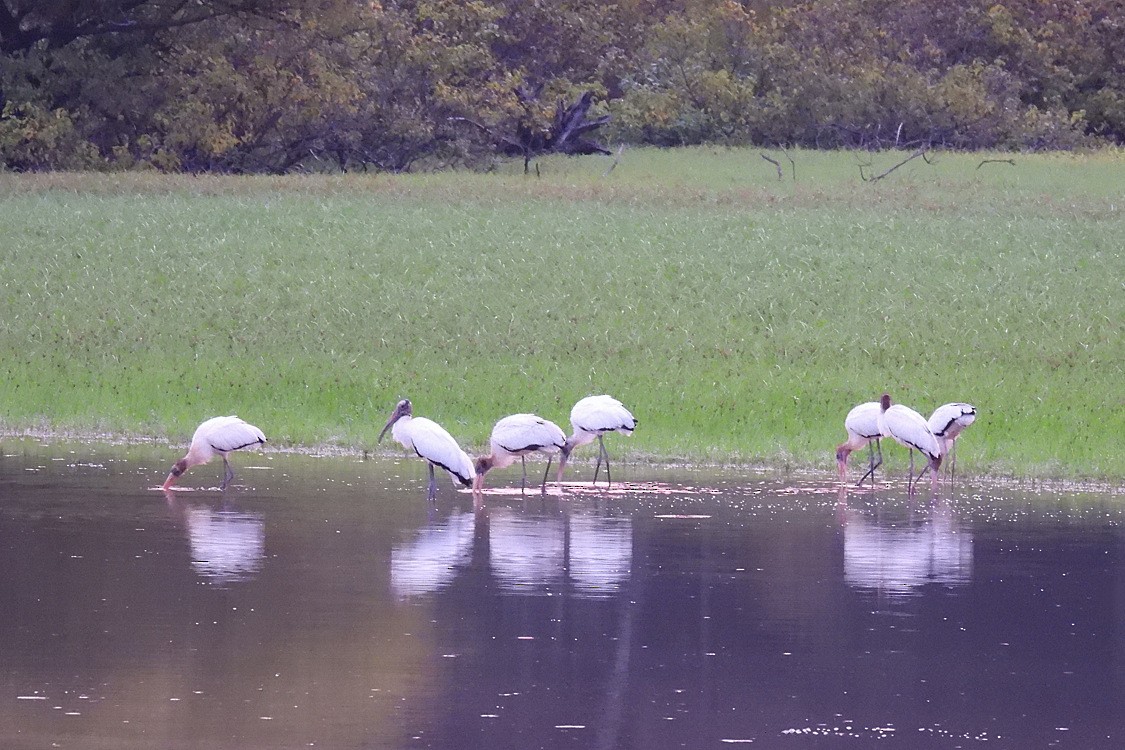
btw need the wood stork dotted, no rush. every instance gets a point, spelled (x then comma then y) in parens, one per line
(516, 436)
(216, 436)
(947, 422)
(862, 424)
(591, 418)
(430, 441)
(909, 428)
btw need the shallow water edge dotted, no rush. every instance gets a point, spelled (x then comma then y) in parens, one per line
(783, 468)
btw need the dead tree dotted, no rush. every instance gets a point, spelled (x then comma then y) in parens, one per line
(567, 134)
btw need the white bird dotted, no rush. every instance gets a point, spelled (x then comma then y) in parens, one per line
(862, 424)
(591, 418)
(909, 428)
(430, 441)
(947, 422)
(516, 436)
(216, 436)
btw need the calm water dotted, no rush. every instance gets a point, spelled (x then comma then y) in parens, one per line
(322, 603)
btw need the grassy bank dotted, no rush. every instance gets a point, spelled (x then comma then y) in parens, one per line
(739, 316)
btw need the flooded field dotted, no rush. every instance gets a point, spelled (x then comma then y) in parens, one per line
(323, 603)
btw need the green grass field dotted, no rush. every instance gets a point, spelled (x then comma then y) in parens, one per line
(737, 315)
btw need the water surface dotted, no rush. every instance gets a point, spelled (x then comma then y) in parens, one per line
(323, 603)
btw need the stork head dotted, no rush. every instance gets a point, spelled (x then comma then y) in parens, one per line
(842, 453)
(483, 465)
(402, 409)
(178, 469)
(885, 402)
(564, 456)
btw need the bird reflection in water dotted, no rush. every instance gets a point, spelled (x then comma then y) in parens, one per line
(582, 555)
(590, 554)
(899, 558)
(227, 546)
(431, 559)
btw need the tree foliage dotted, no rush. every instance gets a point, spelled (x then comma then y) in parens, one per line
(278, 85)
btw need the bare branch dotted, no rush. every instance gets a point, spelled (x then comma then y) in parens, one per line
(996, 161)
(776, 163)
(123, 17)
(616, 159)
(498, 136)
(862, 165)
(920, 152)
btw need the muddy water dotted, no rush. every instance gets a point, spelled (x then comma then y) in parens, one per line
(323, 603)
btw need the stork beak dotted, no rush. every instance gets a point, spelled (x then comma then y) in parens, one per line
(564, 454)
(401, 410)
(178, 469)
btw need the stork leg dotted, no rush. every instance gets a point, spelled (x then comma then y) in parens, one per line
(602, 453)
(228, 473)
(598, 465)
(910, 476)
(874, 464)
(543, 487)
(870, 463)
(922, 473)
(608, 478)
(523, 481)
(952, 461)
(431, 492)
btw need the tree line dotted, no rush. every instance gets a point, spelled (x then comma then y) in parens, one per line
(271, 86)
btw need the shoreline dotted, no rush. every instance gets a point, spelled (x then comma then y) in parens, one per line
(328, 450)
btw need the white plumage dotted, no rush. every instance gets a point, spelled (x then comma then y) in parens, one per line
(947, 422)
(862, 425)
(430, 441)
(217, 436)
(591, 418)
(909, 428)
(515, 437)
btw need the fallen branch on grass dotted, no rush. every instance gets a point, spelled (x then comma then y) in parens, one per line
(919, 153)
(996, 161)
(776, 163)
